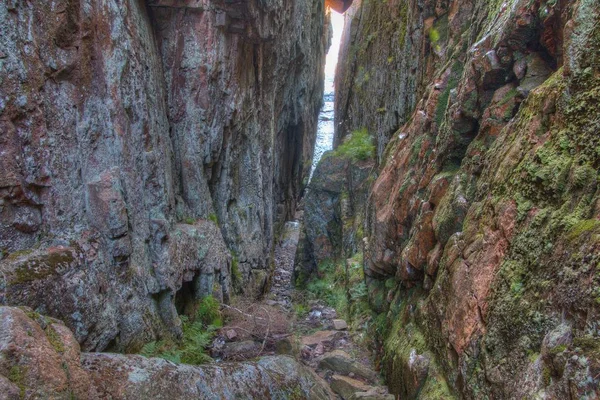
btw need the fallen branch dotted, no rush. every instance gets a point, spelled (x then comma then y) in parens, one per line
(268, 330)
(241, 312)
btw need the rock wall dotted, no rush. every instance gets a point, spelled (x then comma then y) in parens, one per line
(144, 143)
(383, 42)
(481, 252)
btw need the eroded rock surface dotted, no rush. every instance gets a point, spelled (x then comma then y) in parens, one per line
(143, 143)
(333, 211)
(481, 229)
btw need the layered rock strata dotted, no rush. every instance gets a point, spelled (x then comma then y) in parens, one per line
(145, 143)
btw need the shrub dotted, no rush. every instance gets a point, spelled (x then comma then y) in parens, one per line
(208, 312)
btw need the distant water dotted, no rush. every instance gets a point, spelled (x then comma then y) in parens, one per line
(326, 125)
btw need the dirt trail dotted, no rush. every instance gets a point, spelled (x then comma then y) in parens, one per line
(270, 326)
(285, 253)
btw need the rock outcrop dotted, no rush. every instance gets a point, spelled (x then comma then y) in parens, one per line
(144, 143)
(333, 216)
(40, 358)
(481, 248)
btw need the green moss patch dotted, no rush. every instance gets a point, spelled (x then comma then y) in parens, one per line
(358, 147)
(17, 375)
(41, 267)
(54, 339)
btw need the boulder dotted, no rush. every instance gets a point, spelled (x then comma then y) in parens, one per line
(40, 359)
(136, 377)
(346, 387)
(341, 363)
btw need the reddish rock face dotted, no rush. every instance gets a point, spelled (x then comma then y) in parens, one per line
(476, 209)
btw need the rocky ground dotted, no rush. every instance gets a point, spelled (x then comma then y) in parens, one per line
(312, 356)
(319, 339)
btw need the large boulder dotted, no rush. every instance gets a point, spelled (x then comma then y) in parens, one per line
(136, 377)
(40, 358)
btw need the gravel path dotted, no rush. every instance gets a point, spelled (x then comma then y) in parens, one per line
(285, 254)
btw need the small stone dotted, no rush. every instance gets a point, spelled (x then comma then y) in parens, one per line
(231, 334)
(520, 68)
(339, 324)
(325, 337)
(319, 350)
(241, 350)
(285, 346)
(272, 302)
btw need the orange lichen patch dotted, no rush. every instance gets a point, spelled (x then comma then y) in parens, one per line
(338, 5)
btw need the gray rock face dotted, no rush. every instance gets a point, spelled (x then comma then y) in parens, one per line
(333, 215)
(143, 143)
(380, 44)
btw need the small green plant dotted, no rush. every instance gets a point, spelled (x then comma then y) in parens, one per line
(236, 274)
(358, 147)
(330, 285)
(434, 35)
(197, 336)
(54, 339)
(358, 292)
(189, 220)
(208, 312)
(17, 376)
(213, 218)
(301, 310)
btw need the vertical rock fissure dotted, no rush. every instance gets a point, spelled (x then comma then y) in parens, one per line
(326, 127)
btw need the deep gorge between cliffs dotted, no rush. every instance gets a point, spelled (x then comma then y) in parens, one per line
(193, 206)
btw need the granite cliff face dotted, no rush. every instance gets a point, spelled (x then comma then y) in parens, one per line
(481, 249)
(144, 145)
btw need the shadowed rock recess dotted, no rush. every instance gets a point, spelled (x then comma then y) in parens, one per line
(151, 152)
